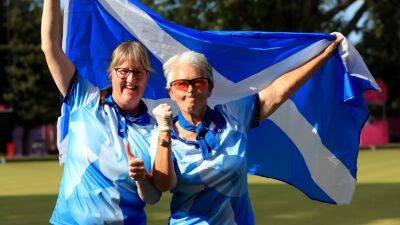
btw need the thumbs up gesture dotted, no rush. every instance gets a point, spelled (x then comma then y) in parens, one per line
(137, 171)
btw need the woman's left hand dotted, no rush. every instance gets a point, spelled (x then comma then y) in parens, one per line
(137, 170)
(333, 45)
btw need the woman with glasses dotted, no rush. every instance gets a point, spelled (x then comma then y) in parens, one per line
(200, 155)
(107, 130)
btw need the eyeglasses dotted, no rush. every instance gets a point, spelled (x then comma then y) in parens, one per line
(183, 85)
(137, 73)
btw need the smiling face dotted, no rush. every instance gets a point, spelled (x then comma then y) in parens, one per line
(128, 91)
(193, 101)
(129, 69)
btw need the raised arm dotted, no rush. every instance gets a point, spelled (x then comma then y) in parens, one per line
(61, 68)
(164, 175)
(282, 88)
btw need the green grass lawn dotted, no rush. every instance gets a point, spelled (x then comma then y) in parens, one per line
(28, 193)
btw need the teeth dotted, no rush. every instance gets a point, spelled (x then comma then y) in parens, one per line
(131, 87)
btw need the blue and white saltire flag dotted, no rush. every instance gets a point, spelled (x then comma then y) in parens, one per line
(310, 142)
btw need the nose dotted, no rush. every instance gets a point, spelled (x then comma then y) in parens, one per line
(190, 88)
(130, 78)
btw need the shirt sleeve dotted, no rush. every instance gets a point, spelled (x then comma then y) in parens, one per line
(245, 110)
(80, 92)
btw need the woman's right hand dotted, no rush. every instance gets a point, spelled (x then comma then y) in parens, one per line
(61, 68)
(163, 115)
(163, 172)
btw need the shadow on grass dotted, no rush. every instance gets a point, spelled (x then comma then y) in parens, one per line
(282, 204)
(19, 210)
(272, 204)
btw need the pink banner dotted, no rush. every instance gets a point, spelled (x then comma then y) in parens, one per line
(374, 134)
(377, 97)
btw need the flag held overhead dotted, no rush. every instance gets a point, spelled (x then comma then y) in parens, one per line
(310, 142)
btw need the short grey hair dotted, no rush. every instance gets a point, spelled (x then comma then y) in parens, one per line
(195, 59)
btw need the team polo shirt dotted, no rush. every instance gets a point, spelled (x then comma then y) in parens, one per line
(95, 187)
(214, 190)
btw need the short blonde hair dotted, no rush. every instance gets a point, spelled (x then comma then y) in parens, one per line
(130, 51)
(194, 59)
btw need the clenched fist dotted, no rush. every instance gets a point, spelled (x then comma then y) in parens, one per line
(163, 115)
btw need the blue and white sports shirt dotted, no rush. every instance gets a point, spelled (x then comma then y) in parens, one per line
(214, 190)
(95, 187)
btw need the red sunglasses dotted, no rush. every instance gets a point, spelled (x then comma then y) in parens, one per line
(183, 85)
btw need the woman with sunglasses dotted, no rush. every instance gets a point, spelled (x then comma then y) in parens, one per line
(200, 155)
(106, 131)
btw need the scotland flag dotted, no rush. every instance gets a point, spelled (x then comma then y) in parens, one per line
(310, 142)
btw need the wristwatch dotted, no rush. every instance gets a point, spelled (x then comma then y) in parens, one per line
(165, 143)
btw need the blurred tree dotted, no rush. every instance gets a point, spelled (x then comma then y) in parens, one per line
(3, 41)
(271, 15)
(30, 90)
(380, 47)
